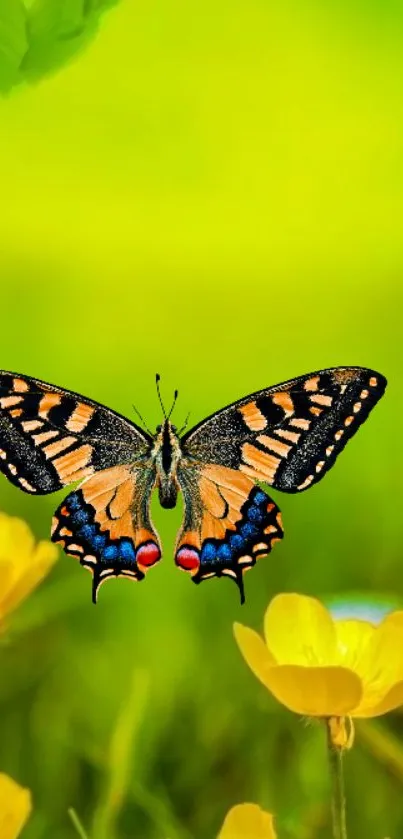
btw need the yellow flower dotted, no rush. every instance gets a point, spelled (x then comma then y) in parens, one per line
(321, 666)
(247, 821)
(23, 564)
(15, 807)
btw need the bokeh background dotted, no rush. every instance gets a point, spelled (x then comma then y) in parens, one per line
(211, 190)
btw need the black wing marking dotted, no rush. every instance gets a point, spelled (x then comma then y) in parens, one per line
(51, 437)
(289, 435)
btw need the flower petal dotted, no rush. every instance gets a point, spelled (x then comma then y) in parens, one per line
(41, 561)
(15, 807)
(393, 699)
(15, 535)
(353, 638)
(381, 663)
(254, 651)
(247, 821)
(299, 630)
(393, 619)
(315, 691)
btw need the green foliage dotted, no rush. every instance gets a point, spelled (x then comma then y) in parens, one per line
(39, 38)
(13, 41)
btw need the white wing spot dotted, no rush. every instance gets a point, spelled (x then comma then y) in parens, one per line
(307, 482)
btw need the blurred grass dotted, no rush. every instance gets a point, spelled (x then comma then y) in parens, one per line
(213, 192)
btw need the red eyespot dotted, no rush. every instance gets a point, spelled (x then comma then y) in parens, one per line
(188, 559)
(148, 554)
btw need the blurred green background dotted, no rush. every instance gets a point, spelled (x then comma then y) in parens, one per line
(212, 190)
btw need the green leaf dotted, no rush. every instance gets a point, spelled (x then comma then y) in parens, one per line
(58, 30)
(13, 42)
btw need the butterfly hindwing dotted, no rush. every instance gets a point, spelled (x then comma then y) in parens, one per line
(228, 524)
(289, 435)
(105, 524)
(51, 437)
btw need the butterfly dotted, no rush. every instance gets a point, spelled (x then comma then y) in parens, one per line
(287, 436)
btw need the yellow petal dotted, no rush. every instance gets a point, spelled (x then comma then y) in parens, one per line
(381, 663)
(393, 699)
(247, 821)
(41, 561)
(299, 630)
(254, 651)
(353, 638)
(315, 691)
(8, 579)
(15, 807)
(393, 619)
(15, 535)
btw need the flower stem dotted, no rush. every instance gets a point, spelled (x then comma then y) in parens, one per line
(335, 753)
(77, 824)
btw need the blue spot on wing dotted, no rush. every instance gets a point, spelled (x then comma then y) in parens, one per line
(80, 517)
(209, 552)
(99, 541)
(110, 553)
(255, 514)
(87, 532)
(224, 552)
(127, 551)
(73, 501)
(249, 530)
(236, 541)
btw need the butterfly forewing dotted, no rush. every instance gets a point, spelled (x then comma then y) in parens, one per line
(50, 437)
(289, 435)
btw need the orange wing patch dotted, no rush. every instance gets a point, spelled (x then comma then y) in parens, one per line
(80, 417)
(253, 417)
(258, 464)
(222, 492)
(75, 465)
(112, 494)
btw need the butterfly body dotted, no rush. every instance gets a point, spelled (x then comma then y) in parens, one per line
(166, 454)
(287, 436)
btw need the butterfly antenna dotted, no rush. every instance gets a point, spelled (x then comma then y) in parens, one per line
(181, 430)
(157, 381)
(142, 420)
(176, 394)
